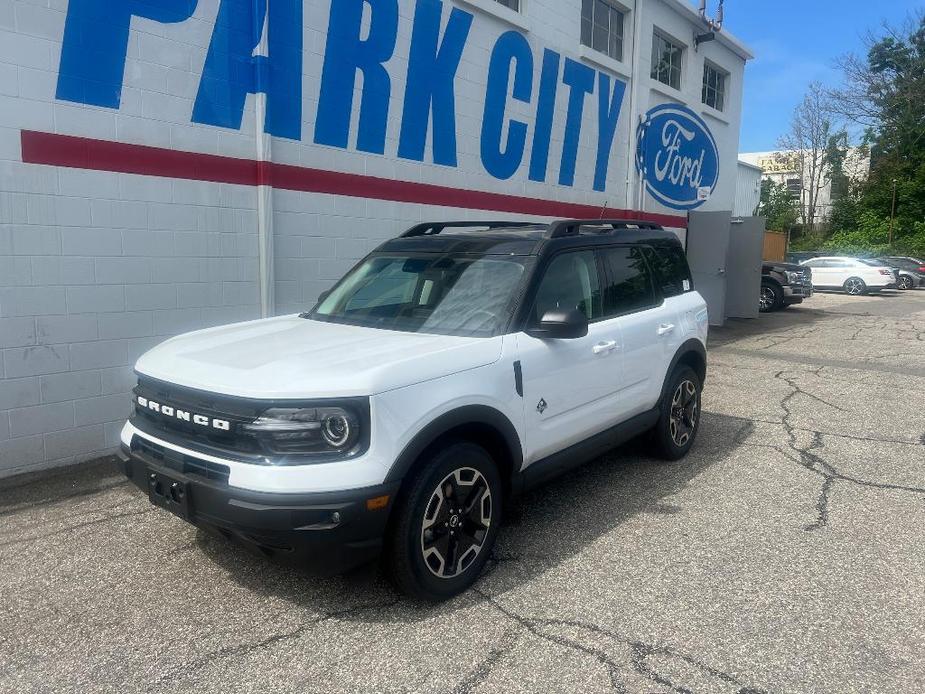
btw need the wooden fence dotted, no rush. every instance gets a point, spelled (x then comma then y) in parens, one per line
(775, 245)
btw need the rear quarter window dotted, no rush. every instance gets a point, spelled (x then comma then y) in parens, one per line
(670, 272)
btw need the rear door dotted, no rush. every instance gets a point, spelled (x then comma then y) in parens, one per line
(634, 307)
(823, 273)
(568, 385)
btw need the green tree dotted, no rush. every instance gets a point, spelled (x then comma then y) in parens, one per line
(777, 206)
(885, 94)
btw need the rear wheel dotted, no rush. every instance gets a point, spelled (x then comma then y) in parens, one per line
(906, 282)
(679, 416)
(855, 286)
(771, 298)
(446, 523)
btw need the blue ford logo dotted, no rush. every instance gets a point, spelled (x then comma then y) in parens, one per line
(677, 157)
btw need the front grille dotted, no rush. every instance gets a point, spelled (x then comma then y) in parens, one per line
(180, 462)
(236, 411)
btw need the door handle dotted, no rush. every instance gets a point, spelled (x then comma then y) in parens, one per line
(665, 329)
(604, 347)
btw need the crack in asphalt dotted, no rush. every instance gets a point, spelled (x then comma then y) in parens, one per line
(487, 665)
(245, 648)
(11, 509)
(808, 459)
(640, 652)
(78, 526)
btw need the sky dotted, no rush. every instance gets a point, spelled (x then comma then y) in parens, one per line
(794, 44)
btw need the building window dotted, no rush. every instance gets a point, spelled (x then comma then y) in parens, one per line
(714, 87)
(513, 4)
(602, 27)
(795, 188)
(666, 61)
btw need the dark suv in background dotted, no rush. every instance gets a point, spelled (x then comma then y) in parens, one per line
(784, 284)
(911, 271)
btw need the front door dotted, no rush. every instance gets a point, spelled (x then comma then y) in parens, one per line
(569, 385)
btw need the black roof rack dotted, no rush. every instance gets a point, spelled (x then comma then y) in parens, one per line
(572, 227)
(432, 228)
(556, 230)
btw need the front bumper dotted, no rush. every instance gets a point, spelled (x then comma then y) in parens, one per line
(327, 533)
(795, 293)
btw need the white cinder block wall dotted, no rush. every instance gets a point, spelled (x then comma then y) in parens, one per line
(98, 264)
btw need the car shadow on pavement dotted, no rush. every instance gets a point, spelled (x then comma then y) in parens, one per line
(544, 528)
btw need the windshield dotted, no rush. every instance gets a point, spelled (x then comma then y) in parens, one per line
(427, 293)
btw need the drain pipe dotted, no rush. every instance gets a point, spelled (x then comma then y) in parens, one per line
(632, 174)
(264, 145)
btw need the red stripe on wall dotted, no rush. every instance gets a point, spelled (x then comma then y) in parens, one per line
(103, 155)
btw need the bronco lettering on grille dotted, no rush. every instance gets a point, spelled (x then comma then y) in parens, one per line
(183, 415)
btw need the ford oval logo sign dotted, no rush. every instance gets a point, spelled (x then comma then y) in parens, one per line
(677, 157)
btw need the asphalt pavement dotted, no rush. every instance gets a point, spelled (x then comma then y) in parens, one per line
(785, 554)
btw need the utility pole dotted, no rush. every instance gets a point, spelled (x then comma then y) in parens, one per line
(893, 212)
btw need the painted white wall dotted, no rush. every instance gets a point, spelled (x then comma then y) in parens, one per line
(96, 267)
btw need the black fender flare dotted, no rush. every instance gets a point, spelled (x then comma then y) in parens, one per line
(691, 346)
(468, 415)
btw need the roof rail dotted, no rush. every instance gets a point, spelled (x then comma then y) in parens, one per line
(433, 228)
(572, 227)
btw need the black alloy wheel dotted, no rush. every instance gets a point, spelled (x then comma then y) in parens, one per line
(685, 409)
(456, 522)
(679, 416)
(446, 521)
(906, 282)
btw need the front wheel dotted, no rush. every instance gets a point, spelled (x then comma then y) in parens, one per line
(855, 286)
(679, 415)
(446, 523)
(770, 299)
(906, 282)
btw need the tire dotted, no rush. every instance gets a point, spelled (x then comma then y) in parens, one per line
(676, 429)
(435, 550)
(771, 298)
(855, 286)
(906, 282)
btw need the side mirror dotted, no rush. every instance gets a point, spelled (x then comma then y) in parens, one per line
(561, 325)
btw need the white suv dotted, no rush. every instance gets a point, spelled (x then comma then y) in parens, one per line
(449, 370)
(852, 275)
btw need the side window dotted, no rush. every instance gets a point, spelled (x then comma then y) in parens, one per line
(570, 281)
(628, 284)
(669, 270)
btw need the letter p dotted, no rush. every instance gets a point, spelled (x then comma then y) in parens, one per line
(96, 41)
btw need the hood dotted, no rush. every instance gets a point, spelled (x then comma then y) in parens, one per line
(296, 358)
(792, 267)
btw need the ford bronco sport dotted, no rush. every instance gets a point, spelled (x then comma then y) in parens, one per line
(449, 370)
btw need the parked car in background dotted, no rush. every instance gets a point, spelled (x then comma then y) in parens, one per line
(880, 262)
(851, 275)
(784, 284)
(800, 256)
(911, 271)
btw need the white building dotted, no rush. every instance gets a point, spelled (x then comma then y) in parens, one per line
(172, 165)
(783, 167)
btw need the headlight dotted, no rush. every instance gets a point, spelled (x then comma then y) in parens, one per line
(328, 431)
(794, 277)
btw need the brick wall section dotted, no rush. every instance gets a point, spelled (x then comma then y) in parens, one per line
(97, 268)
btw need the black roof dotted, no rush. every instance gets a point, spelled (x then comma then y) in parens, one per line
(524, 238)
